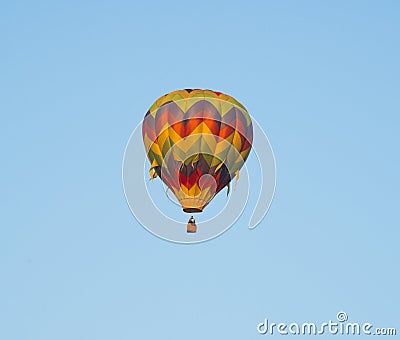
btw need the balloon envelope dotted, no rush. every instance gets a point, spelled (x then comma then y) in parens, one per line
(196, 142)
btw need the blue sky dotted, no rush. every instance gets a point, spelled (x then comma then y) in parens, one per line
(322, 79)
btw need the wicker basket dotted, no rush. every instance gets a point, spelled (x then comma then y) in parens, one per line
(191, 227)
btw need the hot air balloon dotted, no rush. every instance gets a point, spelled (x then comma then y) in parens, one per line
(196, 142)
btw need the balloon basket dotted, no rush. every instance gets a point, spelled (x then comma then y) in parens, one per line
(191, 227)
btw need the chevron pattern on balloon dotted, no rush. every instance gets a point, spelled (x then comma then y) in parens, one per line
(196, 141)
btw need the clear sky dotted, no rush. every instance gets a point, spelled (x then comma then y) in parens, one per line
(76, 77)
